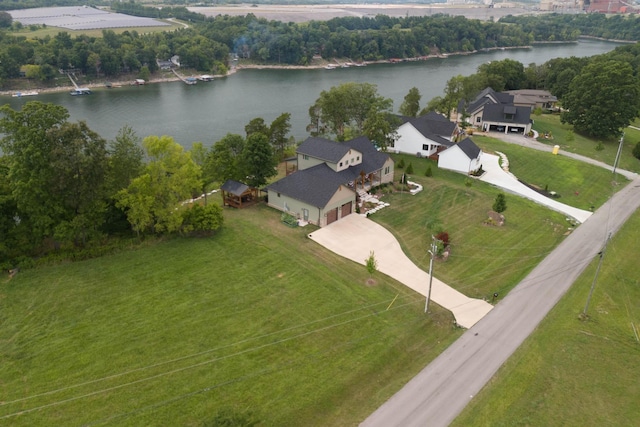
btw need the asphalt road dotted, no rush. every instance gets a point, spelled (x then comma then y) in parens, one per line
(441, 391)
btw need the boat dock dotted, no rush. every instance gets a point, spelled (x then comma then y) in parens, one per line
(78, 90)
(187, 80)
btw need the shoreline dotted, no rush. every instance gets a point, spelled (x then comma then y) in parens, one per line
(239, 67)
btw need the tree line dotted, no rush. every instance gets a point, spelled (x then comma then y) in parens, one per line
(65, 190)
(206, 45)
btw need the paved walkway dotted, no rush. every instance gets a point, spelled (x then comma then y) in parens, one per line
(354, 237)
(497, 176)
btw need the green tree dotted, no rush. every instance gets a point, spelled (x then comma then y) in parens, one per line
(125, 159)
(278, 131)
(153, 199)
(30, 150)
(257, 125)
(258, 161)
(380, 128)
(224, 159)
(5, 19)
(348, 104)
(500, 204)
(371, 264)
(603, 99)
(202, 219)
(411, 104)
(636, 150)
(79, 159)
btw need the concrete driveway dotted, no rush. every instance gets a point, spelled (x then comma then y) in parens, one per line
(497, 176)
(355, 236)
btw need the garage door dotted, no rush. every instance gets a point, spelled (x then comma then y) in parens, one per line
(332, 216)
(516, 129)
(346, 209)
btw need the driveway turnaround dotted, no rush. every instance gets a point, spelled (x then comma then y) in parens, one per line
(439, 393)
(354, 237)
(495, 175)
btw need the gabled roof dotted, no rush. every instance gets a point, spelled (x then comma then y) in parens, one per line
(496, 113)
(531, 96)
(487, 97)
(469, 148)
(433, 124)
(234, 187)
(314, 186)
(372, 159)
(323, 149)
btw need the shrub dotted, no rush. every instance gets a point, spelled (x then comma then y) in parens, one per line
(428, 172)
(636, 151)
(570, 136)
(600, 146)
(410, 168)
(500, 204)
(400, 164)
(468, 182)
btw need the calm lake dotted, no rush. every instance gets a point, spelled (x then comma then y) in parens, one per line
(209, 110)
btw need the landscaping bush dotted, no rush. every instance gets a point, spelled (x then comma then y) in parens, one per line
(500, 204)
(428, 172)
(410, 168)
(400, 164)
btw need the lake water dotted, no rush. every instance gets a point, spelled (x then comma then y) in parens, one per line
(209, 110)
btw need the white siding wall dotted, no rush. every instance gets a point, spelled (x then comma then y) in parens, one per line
(454, 159)
(305, 162)
(316, 216)
(411, 141)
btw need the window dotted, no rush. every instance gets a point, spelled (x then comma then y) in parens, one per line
(340, 164)
(358, 158)
(508, 116)
(278, 194)
(386, 170)
(305, 157)
(478, 119)
(425, 147)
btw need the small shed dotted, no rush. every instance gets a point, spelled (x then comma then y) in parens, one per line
(237, 194)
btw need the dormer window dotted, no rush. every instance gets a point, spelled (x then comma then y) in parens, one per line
(340, 164)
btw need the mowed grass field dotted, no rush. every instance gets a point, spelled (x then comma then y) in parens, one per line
(257, 321)
(572, 372)
(484, 259)
(587, 146)
(577, 184)
(53, 31)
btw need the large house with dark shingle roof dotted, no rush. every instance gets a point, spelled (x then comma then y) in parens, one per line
(426, 135)
(493, 111)
(322, 190)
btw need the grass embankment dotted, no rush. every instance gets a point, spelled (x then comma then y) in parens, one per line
(572, 372)
(576, 183)
(257, 320)
(589, 147)
(484, 259)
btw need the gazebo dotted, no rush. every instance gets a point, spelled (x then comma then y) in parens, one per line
(237, 194)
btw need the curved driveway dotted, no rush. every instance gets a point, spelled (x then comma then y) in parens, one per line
(355, 236)
(495, 175)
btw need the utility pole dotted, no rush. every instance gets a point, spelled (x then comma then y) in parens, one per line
(432, 251)
(615, 163)
(595, 278)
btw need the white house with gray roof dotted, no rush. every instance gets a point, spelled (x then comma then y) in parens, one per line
(463, 157)
(426, 135)
(322, 190)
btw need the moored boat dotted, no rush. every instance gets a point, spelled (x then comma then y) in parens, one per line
(21, 94)
(80, 91)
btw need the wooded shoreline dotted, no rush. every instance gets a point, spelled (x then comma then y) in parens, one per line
(235, 69)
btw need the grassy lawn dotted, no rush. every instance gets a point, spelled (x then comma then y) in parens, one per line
(484, 259)
(587, 146)
(577, 183)
(258, 321)
(572, 372)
